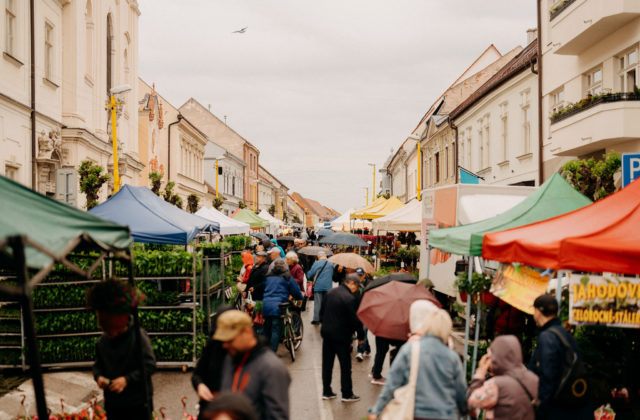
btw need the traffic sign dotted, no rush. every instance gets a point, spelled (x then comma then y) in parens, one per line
(630, 167)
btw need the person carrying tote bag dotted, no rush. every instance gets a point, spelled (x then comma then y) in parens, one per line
(401, 407)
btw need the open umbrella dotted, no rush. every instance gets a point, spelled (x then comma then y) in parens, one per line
(385, 309)
(259, 235)
(314, 250)
(343, 238)
(351, 260)
(285, 239)
(403, 277)
(324, 232)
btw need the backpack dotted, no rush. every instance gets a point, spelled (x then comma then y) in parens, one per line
(573, 388)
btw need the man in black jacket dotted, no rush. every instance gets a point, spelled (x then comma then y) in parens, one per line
(548, 362)
(258, 275)
(339, 321)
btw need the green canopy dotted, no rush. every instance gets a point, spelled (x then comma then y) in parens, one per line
(52, 225)
(555, 197)
(249, 217)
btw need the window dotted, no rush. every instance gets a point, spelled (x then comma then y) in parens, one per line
(461, 146)
(109, 54)
(628, 71)
(504, 131)
(526, 130)
(481, 144)
(557, 100)
(88, 23)
(469, 143)
(11, 172)
(10, 23)
(594, 82)
(437, 168)
(48, 51)
(446, 163)
(233, 186)
(487, 141)
(66, 183)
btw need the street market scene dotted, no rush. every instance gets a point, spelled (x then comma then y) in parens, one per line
(239, 210)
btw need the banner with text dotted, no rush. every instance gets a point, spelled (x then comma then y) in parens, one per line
(604, 300)
(519, 286)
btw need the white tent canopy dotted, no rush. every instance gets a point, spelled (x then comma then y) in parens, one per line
(344, 222)
(274, 224)
(405, 219)
(228, 226)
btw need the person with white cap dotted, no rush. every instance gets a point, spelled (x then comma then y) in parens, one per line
(321, 274)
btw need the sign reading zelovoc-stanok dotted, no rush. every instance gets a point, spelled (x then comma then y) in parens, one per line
(605, 300)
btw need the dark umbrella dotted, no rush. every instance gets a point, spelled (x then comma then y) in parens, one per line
(385, 310)
(325, 232)
(314, 250)
(285, 238)
(259, 235)
(343, 238)
(403, 277)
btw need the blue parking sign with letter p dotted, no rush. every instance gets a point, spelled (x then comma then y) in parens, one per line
(630, 167)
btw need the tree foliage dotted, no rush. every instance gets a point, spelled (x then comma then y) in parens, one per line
(241, 205)
(170, 196)
(272, 209)
(91, 180)
(192, 203)
(593, 178)
(156, 182)
(296, 219)
(385, 195)
(218, 202)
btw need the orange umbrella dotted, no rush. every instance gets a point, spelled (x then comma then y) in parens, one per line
(351, 260)
(385, 309)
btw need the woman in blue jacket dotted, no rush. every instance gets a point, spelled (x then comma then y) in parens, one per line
(278, 287)
(321, 274)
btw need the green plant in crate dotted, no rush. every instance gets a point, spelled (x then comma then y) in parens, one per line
(237, 242)
(65, 322)
(173, 348)
(155, 297)
(59, 296)
(67, 349)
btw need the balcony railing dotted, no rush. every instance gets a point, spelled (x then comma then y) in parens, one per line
(559, 8)
(590, 102)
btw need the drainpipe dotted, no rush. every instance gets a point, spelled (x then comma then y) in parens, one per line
(540, 135)
(34, 173)
(455, 159)
(169, 147)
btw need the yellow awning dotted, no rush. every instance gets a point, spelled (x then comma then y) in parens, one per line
(388, 207)
(377, 204)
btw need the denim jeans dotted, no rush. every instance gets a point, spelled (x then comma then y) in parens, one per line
(365, 347)
(318, 297)
(273, 326)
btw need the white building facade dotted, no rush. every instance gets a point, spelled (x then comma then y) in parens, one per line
(230, 175)
(590, 70)
(82, 49)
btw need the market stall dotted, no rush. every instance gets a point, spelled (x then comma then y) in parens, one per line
(250, 218)
(373, 206)
(274, 224)
(386, 208)
(551, 199)
(150, 218)
(345, 224)
(40, 236)
(405, 219)
(228, 226)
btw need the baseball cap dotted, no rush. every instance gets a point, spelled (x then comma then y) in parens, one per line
(262, 253)
(274, 249)
(547, 304)
(230, 324)
(322, 253)
(359, 271)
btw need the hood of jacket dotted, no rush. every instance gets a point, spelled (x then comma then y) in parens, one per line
(506, 354)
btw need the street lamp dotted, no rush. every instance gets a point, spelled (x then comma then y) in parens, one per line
(254, 191)
(218, 159)
(367, 195)
(419, 180)
(373, 192)
(112, 106)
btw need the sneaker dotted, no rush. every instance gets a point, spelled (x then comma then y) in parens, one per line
(351, 398)
(379, 381)
(329, 396)
(370, 374)
(359, 357)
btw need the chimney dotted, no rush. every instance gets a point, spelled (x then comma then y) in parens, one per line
(532, 34)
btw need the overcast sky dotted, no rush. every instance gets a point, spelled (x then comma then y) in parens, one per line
(321, 87)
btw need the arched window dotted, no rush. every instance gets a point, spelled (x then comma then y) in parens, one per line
(126, 65)
(109, 54)
(88, 22)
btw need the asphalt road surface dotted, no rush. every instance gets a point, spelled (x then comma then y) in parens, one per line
(306, 386)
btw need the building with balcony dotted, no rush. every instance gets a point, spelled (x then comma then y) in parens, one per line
(590, 70)
(230, 175)
(277, 194)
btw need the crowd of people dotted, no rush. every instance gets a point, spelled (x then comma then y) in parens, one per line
(239, 374)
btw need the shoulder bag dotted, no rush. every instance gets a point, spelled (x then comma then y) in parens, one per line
(402, 406)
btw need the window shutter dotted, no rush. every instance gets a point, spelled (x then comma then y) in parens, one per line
(66, 186)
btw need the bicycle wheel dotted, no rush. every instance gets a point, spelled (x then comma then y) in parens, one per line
(290, 341)
(298, 329)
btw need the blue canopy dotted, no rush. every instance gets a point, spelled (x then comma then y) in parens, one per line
(150, 218)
